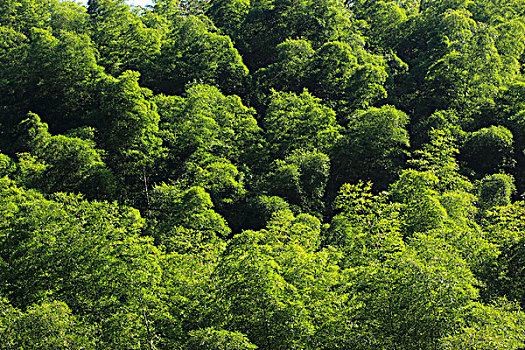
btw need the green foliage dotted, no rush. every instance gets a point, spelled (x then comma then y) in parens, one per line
(258, 300)
(22, 15)
(212, 339)
(376, 133)
(455, 58)
(506, 275)
(421, 210)
(495, 191)
(381, 19)
(288, 71)
(367, 228)
(128, 120)
(6, 165)
(404, 294)
(413, 299)
(128, 125)
(190, 288)
(301, 179)
(457, 73)
(505, 224)
(497, 326)
(257, 36)
(60, 163)
(299, 122)
(439, 157)
(229, 15)
(207, 122)
(88, 255)
(343, 75)
(488, 150)
(185, 219)
(122, 39)
(258, 219)
(192, 51)
(220, 177)
(350, 77)
(48, 73)
(440, 123)
(271, 282)
(49, 325)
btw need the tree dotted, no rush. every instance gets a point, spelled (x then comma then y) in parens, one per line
(421, 210)
(49, 325)
(513, 108)
(488, 150)
(352, 189)
(495, 191)
(87, 255)
(229, 15)
(208, 123)
(259, 29)
(381, 19)
(439, 157)
(6, 165)
(366, 227)
(68, 164)
(222, 180)
(288, 71)
(184, 220)
(128, 123)
(470, 70)
(343, 74)
(413, 299)
(397, 288)
(493, 326)
(261, 209)
(504, 277)
(275, 284)
(191, 52)
(24, 15)
(299, 122)
(301, 180)
(51, 74)
(455, 59)
(349, 77)
(122, 38)
(212, 339)
(447, 123)
(372, 149)
(258, 301)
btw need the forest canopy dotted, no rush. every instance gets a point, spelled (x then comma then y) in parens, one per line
(262, 174)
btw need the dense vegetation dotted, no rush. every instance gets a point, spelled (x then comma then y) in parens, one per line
(262, 174)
